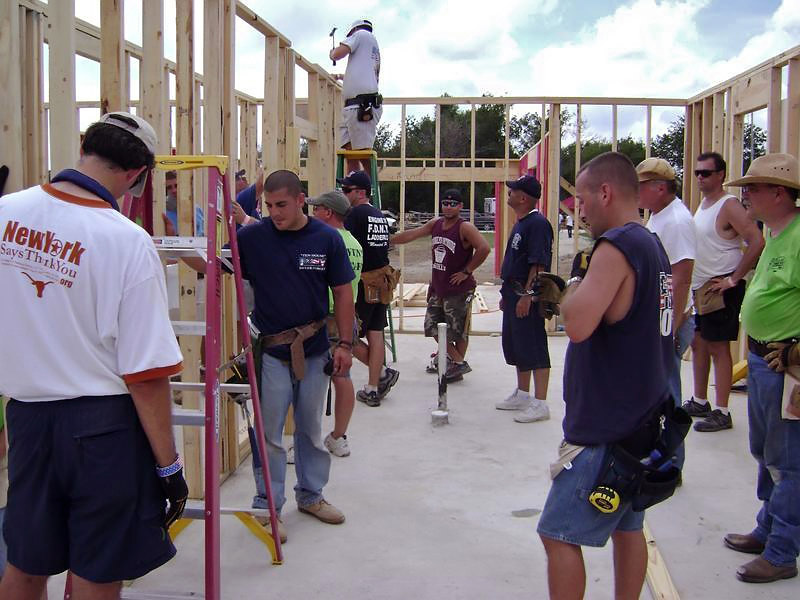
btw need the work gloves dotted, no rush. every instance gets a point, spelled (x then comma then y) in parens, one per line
(783, 355)
(546, 290)
(176, 491)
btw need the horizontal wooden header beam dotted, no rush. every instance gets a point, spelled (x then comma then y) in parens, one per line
(247, 15)
(780, 60)
(585, 100)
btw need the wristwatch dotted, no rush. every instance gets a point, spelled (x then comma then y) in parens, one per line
(572, 280)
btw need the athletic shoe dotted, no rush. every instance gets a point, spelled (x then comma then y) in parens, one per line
(695, 409)
(387, 381)
(537, 411)
(514, 402)
(369, 398)
(324, 511)
(264, 522)
(290, 455)
(433, 367)
(337, 447)
(457, 371)
(716, 421)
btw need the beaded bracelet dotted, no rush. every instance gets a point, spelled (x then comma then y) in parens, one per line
(171, 469)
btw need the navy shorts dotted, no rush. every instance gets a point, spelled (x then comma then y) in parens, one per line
(524, 340)
(371, 316)
(83, 492)
(569, 517)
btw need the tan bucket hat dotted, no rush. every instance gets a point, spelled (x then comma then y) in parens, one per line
(655, 169)
(777, 169)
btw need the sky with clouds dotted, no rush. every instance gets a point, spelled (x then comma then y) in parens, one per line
(641, 48)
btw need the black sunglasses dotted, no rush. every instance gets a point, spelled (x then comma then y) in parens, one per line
(705, 172)
(450, 202)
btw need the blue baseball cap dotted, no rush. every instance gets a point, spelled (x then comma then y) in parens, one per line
(356, 179)
(528, 184)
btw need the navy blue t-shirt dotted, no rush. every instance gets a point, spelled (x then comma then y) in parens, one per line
(370, 227)
(290, 272)
(247, 200)
(616, 378)
(530, 243)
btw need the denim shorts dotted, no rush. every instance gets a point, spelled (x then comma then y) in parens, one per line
(568, 516)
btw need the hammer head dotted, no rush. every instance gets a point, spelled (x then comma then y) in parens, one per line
(332, 32)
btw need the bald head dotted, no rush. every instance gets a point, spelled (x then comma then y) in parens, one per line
(614, 169)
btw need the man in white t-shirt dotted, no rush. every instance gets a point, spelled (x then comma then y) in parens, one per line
(672, 222)
(92, 457)
(362, 102)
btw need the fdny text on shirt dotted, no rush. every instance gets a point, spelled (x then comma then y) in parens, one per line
(377, 232)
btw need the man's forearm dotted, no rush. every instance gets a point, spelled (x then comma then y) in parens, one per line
(154, 406)
(749, 261)
(344, 313)
(477, 259)
(679, 302)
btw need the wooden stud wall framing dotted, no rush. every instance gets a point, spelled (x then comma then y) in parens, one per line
(112, 63)
(64, 140)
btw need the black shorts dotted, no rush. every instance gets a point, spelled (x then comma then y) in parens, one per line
(83, 492)
(524, 340)
(372, 316)
(723, 325)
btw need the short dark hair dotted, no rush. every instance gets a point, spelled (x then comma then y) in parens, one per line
(283, 180)
(116, 146)
(171, 175)
(614, 168)
(719, 162)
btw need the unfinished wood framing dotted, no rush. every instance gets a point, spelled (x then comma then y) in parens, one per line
(64, 139)
(112, 63)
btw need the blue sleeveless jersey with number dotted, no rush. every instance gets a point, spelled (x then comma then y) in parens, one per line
(615, 378)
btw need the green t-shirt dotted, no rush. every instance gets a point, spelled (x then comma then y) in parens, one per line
(771, 308)
(356, 255)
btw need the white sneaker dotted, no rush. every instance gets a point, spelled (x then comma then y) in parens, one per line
(337, 447)
(514, 402)
(290, 455)
(537, 410)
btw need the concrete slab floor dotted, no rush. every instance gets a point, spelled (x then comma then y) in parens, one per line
(451, 512)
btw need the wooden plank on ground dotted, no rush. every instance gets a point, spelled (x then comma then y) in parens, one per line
(658, 578)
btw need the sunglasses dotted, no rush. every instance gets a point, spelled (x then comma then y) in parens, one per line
(450, 202)
(705, 172)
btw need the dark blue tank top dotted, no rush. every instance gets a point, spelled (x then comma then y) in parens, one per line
(614, 379)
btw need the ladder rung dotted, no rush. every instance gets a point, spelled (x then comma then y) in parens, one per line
(130, 594)
(199, 386)
(195, 509)
(186, 416)
(189, 327)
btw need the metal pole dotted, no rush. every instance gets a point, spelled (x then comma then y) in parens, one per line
(440, 416)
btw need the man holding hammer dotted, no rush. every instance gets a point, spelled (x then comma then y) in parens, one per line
(363, 105)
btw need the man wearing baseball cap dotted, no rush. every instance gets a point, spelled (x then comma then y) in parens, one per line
(92, 459)
(771, 318)
(363, 105)
(672, 222)
(457, 249)
(370, 227)
(529, 251)
(331, 208)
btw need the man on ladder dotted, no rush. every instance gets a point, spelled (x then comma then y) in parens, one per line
(291, 260)
(363, 105)
(92, 457)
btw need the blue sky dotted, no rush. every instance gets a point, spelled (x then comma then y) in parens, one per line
(649, 48)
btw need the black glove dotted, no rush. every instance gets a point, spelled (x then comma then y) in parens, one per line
(176, 491)
(580, 264)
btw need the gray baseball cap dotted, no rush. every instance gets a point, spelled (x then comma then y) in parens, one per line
(335, 200)
(140, 129)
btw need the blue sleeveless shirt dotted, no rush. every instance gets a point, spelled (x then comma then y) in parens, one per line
(614, 379)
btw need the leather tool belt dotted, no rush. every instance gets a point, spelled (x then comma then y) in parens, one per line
(294, 337)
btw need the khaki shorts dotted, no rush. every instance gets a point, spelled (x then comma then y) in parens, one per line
(453, 310)
(359, 134)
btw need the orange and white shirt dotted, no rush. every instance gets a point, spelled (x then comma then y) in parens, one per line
(83, 303)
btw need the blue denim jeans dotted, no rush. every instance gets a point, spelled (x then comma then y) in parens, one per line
(775, 444)
(312, 462)
(683, 337)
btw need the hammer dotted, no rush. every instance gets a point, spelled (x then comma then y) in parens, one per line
(333, 43)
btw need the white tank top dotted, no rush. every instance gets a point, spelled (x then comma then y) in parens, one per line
(715, 255)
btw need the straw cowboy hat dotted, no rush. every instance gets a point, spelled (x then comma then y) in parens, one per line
(776, 169)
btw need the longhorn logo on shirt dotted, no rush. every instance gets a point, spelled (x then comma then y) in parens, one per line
(39, 285)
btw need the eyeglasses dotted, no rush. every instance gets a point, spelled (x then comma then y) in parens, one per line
(450, 202)
(705, 172)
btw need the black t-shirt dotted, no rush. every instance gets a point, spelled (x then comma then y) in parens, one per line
(290, 272)
(530, 243)
(371, 229)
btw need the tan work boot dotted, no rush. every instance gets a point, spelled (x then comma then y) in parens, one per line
(324, 511)
(264, 522)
